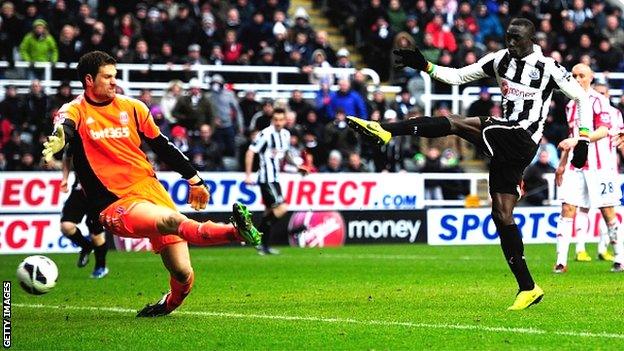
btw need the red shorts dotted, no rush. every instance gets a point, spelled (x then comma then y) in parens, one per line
(120, 220)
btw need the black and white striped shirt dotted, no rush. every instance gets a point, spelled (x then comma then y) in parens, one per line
(271, 146)
(526, 86)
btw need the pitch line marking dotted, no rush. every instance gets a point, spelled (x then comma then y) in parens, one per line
(344, 321)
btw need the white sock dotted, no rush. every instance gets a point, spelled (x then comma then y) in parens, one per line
(581, 224)
(605, 236)
(564, 232)
(618, 246)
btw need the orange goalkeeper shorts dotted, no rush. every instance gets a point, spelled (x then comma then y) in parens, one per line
(121, 221)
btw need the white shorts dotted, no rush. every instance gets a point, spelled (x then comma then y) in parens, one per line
(590, 189)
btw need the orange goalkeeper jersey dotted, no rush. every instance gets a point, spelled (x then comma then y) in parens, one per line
(106, 145)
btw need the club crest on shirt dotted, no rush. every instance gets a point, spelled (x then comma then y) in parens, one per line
(534, 74)
(123, 118)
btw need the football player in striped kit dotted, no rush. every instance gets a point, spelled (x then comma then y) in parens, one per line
(526, 78)
(271, 145)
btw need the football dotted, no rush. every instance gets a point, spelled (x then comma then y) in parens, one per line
(37, 274)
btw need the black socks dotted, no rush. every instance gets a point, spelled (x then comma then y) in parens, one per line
(429, 127)
(79, 240)
(513, 249)
(100, 255)
(265, 227)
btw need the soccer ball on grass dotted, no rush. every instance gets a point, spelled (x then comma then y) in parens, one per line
(37, 274)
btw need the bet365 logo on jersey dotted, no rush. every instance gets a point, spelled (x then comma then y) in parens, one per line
(110, 133)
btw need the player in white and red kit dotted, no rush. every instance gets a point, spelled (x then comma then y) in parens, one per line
(594, 185)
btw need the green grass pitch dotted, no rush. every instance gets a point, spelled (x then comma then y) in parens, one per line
(383, 297)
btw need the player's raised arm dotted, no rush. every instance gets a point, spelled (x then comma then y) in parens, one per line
(455, 76)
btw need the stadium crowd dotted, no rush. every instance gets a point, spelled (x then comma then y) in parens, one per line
(213, 126)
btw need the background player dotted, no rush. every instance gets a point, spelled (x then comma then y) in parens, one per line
(593, 185)
(272, 145)
(526, 79)
(106, 131)
(74, 209)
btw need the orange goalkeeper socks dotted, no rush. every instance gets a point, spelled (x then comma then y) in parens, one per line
(179, 291)
(207, 233)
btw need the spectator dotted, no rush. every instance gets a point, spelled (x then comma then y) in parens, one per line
(229, 118)
(193, 56)
(413, 28)
(233, 21)
(489, 25)
(334, 163)
(608, 58)
(245, 10)
(216, 56)
(10, 31)
(583, 48)
(159, 119)
(154, 31)
(442, 38)
(614, 32)
(379, 102)
(85, 22)
(256, 34)
(319, 60)
(578, 13)
(321, 42)
(69, 46)
(279, 44)
(354, 163)
(262, 118)
(123, 52)
(536, 187)
(308, 161)
(551, 149)
(209, 35)
(36, 111)
(432, 164)
(141, 56)
(179, 138)
(129, 27)
(350, 101)
(38, 46)
(63, 95)
(404, 103)
(13, 151)
(169, 100)
(249, 106)
(369, 16)
(343, 61)
(232, 49)
(482, 106)
(210, 150)
(302, 24)
(396, 16)
(429, 51)
(380, 45)
(11, 107)
(313, 125)
(194, 109)
(183, 30)
(146, 97)
(297, 104)
(338, 136)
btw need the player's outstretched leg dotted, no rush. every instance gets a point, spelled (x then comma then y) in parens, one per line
(429, 127)
(99, 251)
(74, 234)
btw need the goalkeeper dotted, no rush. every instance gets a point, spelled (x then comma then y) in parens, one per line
(526, 79)
(105, 131)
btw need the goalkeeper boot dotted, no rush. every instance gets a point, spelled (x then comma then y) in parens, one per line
(372, 130)
(583, 256)
(241, 219)
(605, 256)
(527, 298)
(158, 309)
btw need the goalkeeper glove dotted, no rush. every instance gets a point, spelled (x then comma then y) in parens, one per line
(198, 193)
(580, 153)
(55, 143)
(411, 58)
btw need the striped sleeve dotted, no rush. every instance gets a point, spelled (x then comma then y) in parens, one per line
(259, 142)
(456, 76)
